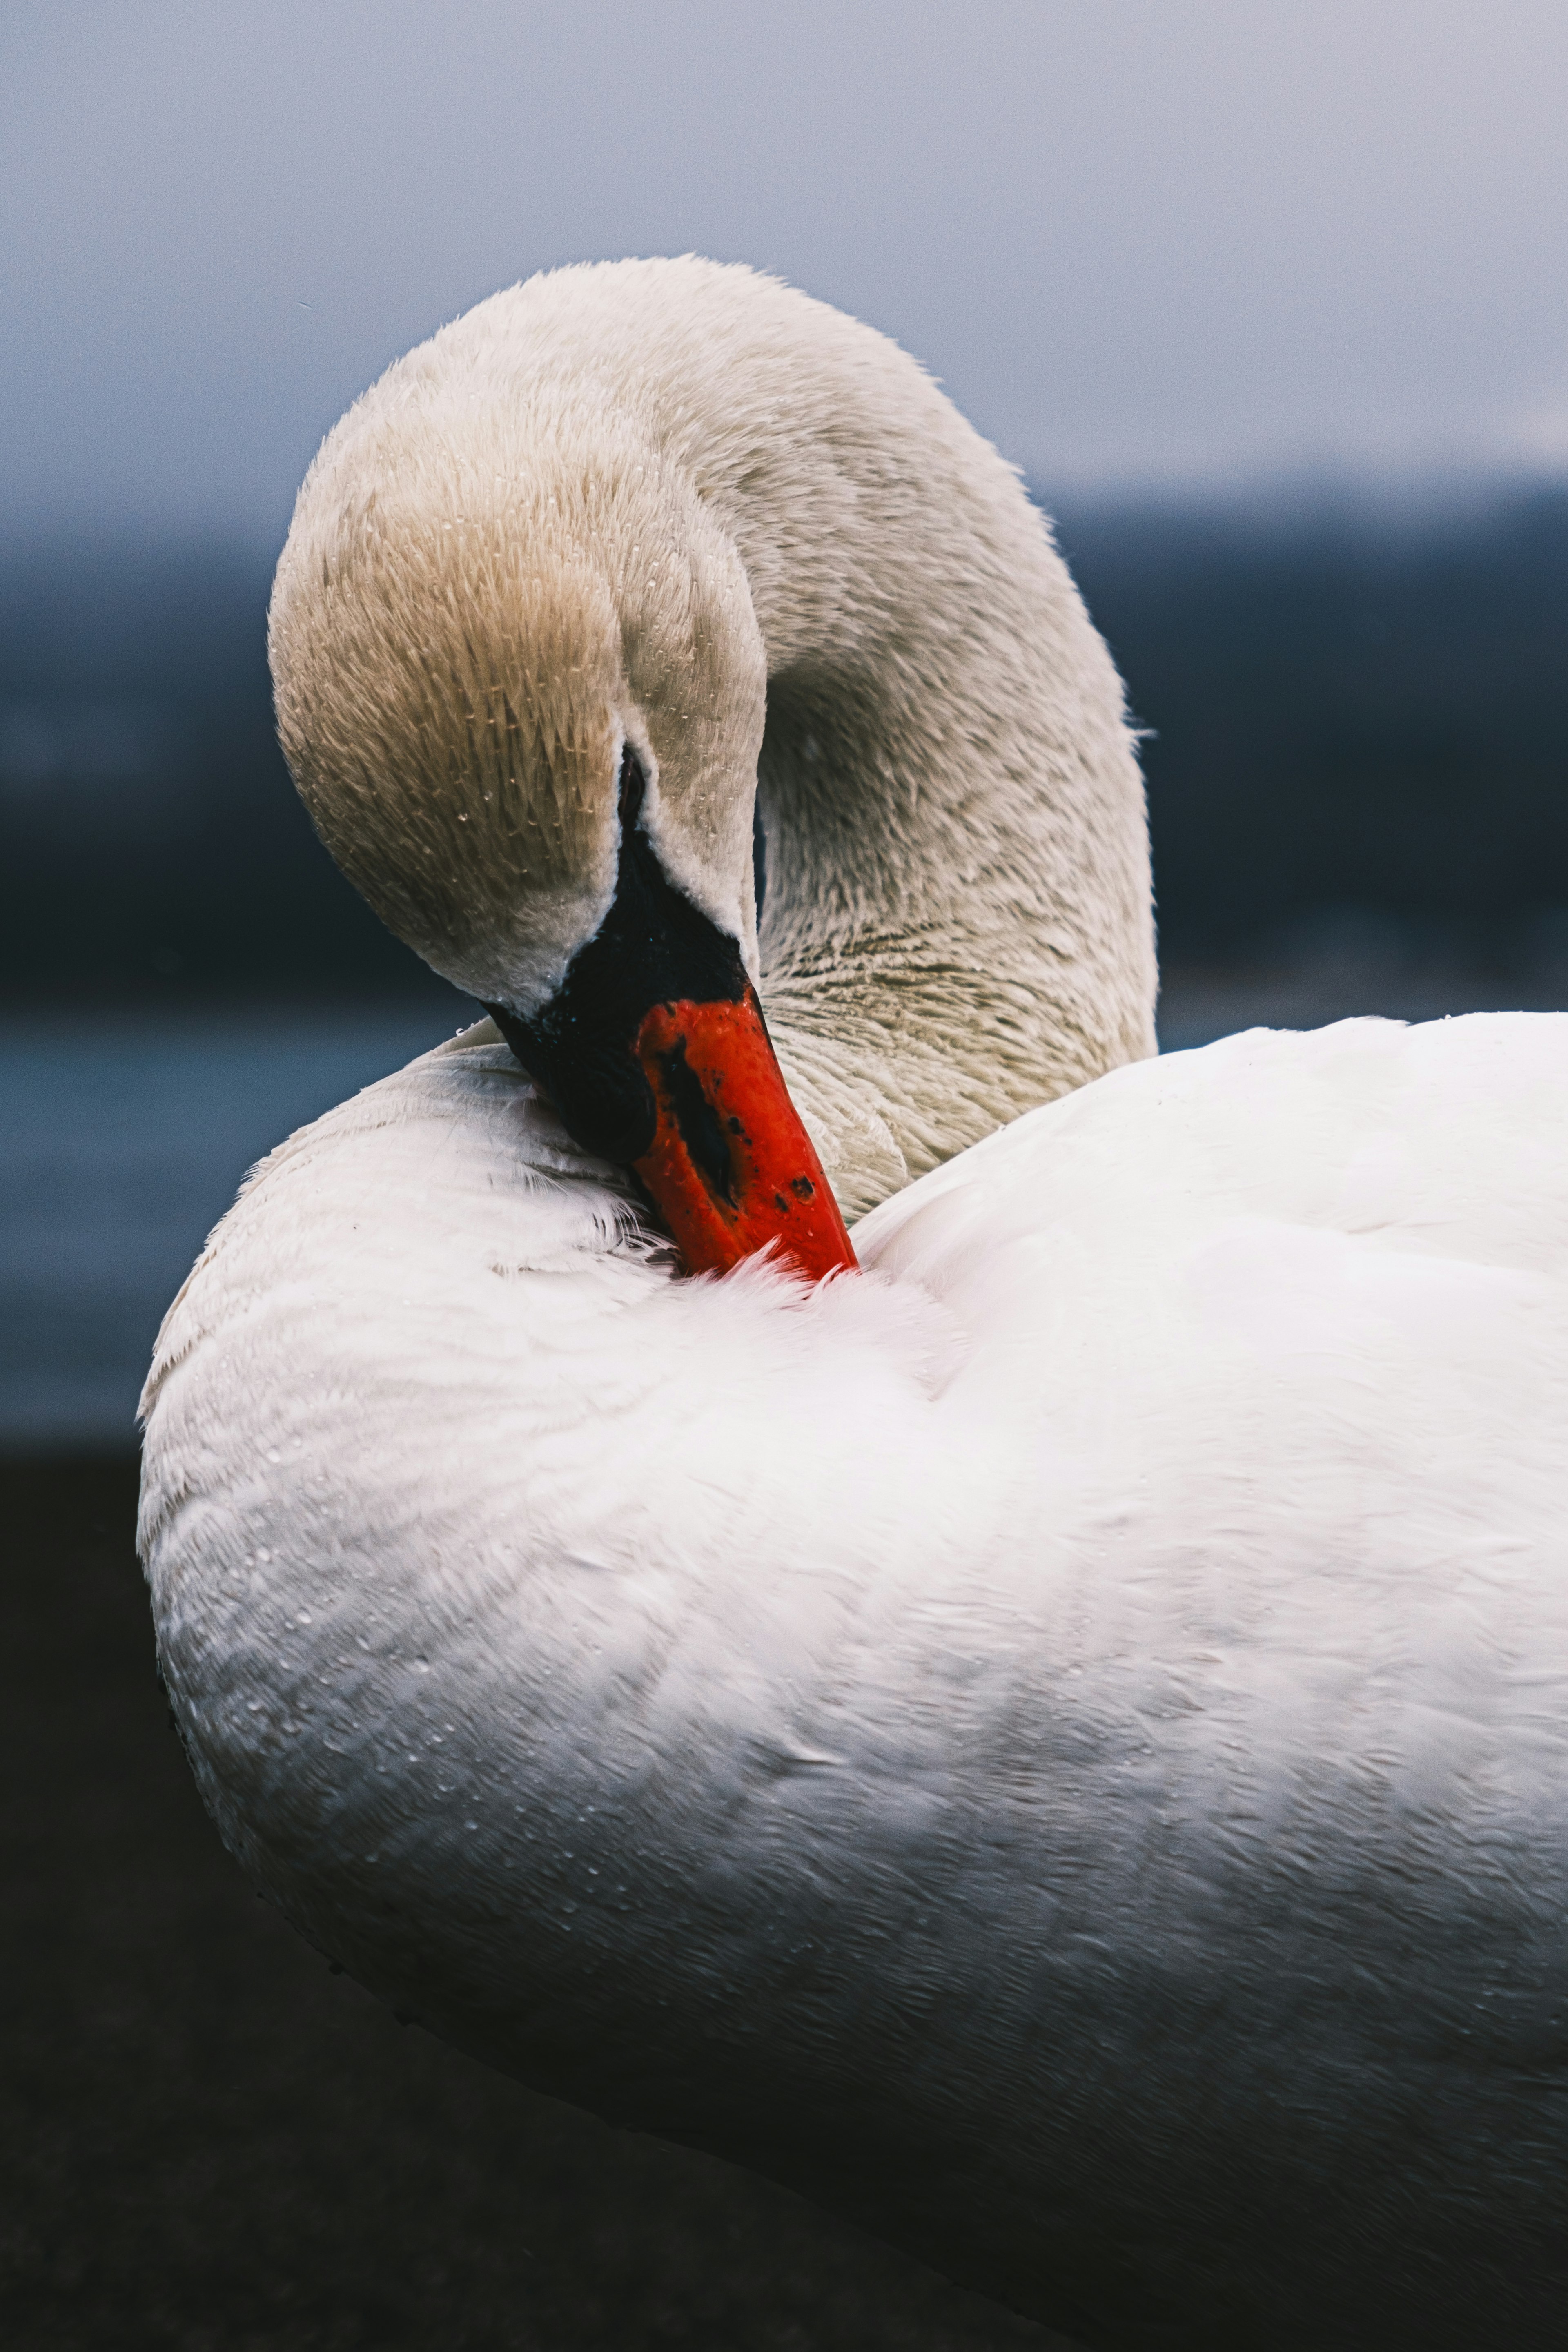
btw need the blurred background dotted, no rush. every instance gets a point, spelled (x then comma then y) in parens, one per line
(1267, 305)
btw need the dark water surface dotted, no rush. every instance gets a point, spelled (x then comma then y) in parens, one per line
(122, 1142)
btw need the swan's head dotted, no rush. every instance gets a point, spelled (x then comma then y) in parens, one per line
(521, 686)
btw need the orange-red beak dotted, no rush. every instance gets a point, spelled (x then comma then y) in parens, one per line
(731, 1167)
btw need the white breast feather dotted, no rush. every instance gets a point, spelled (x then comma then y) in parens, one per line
(1083, 1705)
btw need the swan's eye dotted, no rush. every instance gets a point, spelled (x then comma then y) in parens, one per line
(632, 787)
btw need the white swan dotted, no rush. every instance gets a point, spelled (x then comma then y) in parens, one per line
(1058, 1744)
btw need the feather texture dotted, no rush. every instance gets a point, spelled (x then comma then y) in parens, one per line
(685, 507)
(1057, 1744)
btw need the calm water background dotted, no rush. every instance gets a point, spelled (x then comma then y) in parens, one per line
(123, 1143)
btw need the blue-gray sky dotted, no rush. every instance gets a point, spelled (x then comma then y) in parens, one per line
(1144, 242)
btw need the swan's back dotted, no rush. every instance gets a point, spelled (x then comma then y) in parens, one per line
(1060, 1748)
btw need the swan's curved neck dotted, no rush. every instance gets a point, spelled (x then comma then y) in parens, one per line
(680, 502)
(958, 920)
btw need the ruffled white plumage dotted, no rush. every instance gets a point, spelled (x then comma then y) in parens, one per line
(1058, 1745)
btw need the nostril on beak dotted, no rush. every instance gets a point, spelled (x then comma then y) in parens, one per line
(701, 1129)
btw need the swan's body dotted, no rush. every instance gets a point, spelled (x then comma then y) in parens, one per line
(1059, 1746)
